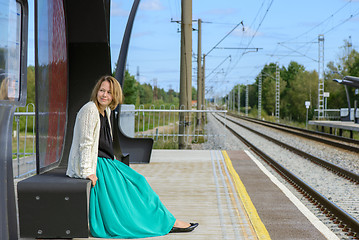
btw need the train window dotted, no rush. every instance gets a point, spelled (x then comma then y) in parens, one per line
(10, 47)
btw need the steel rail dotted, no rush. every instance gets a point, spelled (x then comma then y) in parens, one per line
(324, 163)
(278, 126)
(338, 215)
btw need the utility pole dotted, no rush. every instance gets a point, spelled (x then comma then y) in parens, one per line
(321, 76)
(260, 96)
(229, 100)
(233, 99)
(247, 99)
(155, 96)
(277, 92)
(203, 82)
(350, 46)
(199, 72)
(239, 98)
(185, 67)
(138, 74)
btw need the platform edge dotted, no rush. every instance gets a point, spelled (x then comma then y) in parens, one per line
(257, 223)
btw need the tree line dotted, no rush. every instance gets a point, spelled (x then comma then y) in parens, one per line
(298, 85)
(133, 91)
(145, 94)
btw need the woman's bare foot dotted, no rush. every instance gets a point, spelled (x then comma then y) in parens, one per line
(181, 224)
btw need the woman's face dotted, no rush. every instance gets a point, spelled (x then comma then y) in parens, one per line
(104, 95)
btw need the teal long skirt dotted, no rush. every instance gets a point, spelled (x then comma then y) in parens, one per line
(123, 205)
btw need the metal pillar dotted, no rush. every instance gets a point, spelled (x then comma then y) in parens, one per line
(229, 101)
(203, 82)
(277, 92)
(199, 72)
(321, 76)
(233, 99)
(260, 97)
(8, 215)
(8, 221)
(247, 99)
(239, 98)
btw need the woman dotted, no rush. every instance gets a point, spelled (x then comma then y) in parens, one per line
(7, 89)
(122, 204)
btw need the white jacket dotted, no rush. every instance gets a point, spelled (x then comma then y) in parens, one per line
(84, 148)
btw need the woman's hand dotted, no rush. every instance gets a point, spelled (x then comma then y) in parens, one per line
(93, 179)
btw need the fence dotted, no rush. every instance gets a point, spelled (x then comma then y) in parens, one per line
(329, 114)
(165, 124)
(160, 124)
(24, 159)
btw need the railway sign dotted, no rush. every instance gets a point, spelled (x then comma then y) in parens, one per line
(307, 104)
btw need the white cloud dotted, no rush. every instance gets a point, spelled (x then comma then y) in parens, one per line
(151, 5)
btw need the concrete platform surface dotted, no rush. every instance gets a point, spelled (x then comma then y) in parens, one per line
(231, 196)
(195, 188)
(337, 124)
(282, 217)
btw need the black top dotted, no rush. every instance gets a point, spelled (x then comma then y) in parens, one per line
(105, 148)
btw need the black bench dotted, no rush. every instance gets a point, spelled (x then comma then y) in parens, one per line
(53, 205)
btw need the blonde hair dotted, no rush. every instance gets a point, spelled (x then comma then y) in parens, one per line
(4, 89)
(116, 91)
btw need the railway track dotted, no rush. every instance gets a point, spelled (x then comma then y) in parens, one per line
(342, 172)
(333, 140)
(346, 219)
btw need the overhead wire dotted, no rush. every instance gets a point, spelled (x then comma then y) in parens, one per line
(310, 42)
(230, 67)
(250, 41)
(254, 20)
(319, 24)
(304, 48)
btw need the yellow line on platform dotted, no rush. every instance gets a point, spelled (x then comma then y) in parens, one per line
(257, 223)
(231, 194)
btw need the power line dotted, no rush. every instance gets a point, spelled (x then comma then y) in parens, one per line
(332, 15)
(225, 37)
(341, 23)
(298, 52)
(311, 41)
(259, 25)
(219, 65)
(221, 23)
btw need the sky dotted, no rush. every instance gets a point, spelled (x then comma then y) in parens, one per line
(282, 30)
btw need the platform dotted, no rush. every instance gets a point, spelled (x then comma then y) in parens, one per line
(229, 194)
(351, 126)
(194, 187)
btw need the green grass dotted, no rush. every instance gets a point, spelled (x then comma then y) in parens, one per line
(29, 145)
(153, 120)
(160, 144)
(171, 142)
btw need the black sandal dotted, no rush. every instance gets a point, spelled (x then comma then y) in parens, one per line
(187, 229)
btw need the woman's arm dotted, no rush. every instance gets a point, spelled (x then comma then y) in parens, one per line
(87, 127)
